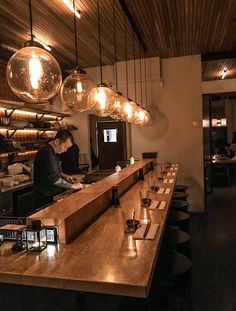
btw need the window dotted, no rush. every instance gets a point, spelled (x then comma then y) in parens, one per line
(110, 135)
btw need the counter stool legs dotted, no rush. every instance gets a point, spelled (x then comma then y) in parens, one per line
(173, 279)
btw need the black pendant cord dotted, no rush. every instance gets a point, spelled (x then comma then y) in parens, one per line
(31, 21)
(126, 62)
(115, 50)
(135, 92)
(145, 73)
(141, 82)
(75, 34)
(99, 40)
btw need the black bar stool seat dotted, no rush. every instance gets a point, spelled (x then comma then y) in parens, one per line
(180, 205)
(180, 264)
(179, 219)
(181, 188)
(180, 241)
(180, 196)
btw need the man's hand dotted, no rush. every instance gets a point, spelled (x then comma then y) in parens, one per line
(68, 178)
(77, 186)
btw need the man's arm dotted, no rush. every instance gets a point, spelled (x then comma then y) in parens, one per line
(68, 177)
(65, 184)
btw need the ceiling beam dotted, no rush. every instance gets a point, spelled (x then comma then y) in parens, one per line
(133, 24)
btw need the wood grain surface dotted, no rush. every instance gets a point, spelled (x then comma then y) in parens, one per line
(99, 259)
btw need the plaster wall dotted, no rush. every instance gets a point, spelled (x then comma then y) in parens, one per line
(174, 98)
(175, 103)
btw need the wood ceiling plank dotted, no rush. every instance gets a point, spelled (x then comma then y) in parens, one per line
(169, 28)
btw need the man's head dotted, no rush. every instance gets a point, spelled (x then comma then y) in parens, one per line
(62, 141)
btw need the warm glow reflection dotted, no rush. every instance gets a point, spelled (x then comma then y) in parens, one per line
(51, 251)
(110, 275)
(27, 153)
(27, 131)
(69, 4)
(25, 113)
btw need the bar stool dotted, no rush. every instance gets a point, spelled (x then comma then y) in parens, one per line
(172, 276)
(181, 188)
(180, 196)
(180, 205)
(179, 219)
(179, 240)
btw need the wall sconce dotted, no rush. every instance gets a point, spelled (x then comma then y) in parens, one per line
(36, 236)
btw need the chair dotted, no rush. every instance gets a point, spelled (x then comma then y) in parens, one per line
(221, 174)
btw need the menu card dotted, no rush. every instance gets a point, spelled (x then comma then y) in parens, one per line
(139, 233)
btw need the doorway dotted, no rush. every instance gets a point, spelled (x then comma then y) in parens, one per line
(219, 122)
(108, 141)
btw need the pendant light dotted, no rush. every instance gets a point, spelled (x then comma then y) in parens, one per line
(147, 117)
(119, 99)
(76, 87)
(128, 108)
(33, 74)
(101, 97)
(139, 114)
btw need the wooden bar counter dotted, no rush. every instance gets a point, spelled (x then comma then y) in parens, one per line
(96, 261)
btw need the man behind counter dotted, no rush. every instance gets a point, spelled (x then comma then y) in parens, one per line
(48, 177)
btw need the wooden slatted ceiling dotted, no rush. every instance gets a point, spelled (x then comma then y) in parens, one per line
(213, 70)
(169, 28)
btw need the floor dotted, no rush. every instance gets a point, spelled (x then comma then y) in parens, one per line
(213, 241)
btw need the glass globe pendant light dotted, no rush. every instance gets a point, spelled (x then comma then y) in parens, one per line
(128, 108)
(147, 118)
(118, 104)
(119, 99)
(33, 74)
(101, 98)
(76, 87)
(139, 115)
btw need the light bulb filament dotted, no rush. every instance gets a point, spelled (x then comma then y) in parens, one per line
(79, 87)
(100, 97)
(35, 71)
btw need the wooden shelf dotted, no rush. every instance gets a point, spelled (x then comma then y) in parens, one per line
(10, 104)
(27, 108)
(11, 130)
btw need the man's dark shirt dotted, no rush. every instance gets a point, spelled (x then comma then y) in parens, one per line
(70, 160)
(46, 172)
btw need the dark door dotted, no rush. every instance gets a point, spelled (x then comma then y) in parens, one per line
(207, 143)
(111, 143)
